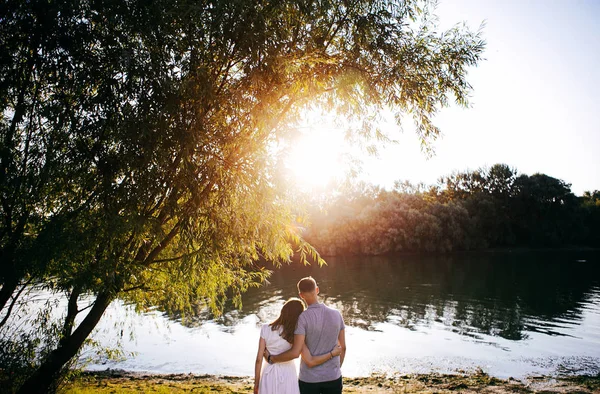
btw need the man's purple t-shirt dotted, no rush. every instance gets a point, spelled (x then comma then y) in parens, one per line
(321, 326)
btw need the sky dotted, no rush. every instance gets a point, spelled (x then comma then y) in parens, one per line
(534, 104)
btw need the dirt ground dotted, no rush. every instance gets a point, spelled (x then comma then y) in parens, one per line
(126, 382)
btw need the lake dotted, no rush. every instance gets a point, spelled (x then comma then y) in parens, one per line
(509, 314)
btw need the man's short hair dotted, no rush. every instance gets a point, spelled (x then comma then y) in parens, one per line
(307, 285)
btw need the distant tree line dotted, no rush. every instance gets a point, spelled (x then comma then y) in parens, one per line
(487, 208)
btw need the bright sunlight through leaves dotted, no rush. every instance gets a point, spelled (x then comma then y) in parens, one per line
(317, 157)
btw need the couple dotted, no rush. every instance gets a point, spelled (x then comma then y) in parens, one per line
(316, 333)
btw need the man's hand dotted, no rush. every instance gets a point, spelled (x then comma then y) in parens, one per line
(266, 355)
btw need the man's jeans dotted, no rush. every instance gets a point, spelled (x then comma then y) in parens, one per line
(331, 387)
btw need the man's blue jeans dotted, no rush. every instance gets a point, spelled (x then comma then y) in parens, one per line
(330, 387)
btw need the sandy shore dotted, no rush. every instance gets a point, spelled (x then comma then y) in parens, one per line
(126, 382)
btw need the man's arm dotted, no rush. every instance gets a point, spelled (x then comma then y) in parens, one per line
(342, 343)
(291, 354)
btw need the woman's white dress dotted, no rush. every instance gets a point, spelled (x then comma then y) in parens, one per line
(278, 378)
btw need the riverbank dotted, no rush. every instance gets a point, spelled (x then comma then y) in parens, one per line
(128, 382)
(499, 250)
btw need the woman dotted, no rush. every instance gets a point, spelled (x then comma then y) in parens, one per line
(277, 337)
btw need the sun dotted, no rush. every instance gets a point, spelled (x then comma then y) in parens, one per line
(316, 157)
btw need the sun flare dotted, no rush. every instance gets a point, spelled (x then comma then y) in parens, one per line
(316, 158)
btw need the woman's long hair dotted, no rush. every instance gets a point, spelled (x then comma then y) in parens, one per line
(288, 318)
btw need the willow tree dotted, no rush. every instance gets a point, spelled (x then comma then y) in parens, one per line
(143, 137)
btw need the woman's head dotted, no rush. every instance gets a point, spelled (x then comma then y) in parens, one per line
(288, 318)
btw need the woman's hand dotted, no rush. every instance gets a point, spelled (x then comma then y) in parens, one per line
(256, 388)
(337, 350)
(266, 354)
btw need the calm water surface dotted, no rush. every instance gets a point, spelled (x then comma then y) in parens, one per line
(510, 314)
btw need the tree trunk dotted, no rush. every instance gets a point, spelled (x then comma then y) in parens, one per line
(8, 288)
(45, 376)
(71, 313)
(15, 297)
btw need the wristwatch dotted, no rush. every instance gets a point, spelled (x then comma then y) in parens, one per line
(269, 360)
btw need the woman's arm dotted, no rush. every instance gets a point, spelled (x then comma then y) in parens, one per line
(258, 363)
(313, 361)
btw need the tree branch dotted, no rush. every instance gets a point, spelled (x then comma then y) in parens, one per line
(71, 312)
(13, 302)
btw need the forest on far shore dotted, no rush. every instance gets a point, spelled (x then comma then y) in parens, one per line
(492, 207)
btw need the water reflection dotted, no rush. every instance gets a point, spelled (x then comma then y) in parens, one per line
(507, 295)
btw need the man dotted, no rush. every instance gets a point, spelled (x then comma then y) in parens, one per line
(321, 328)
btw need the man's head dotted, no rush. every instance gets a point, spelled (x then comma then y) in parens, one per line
(308, 289)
